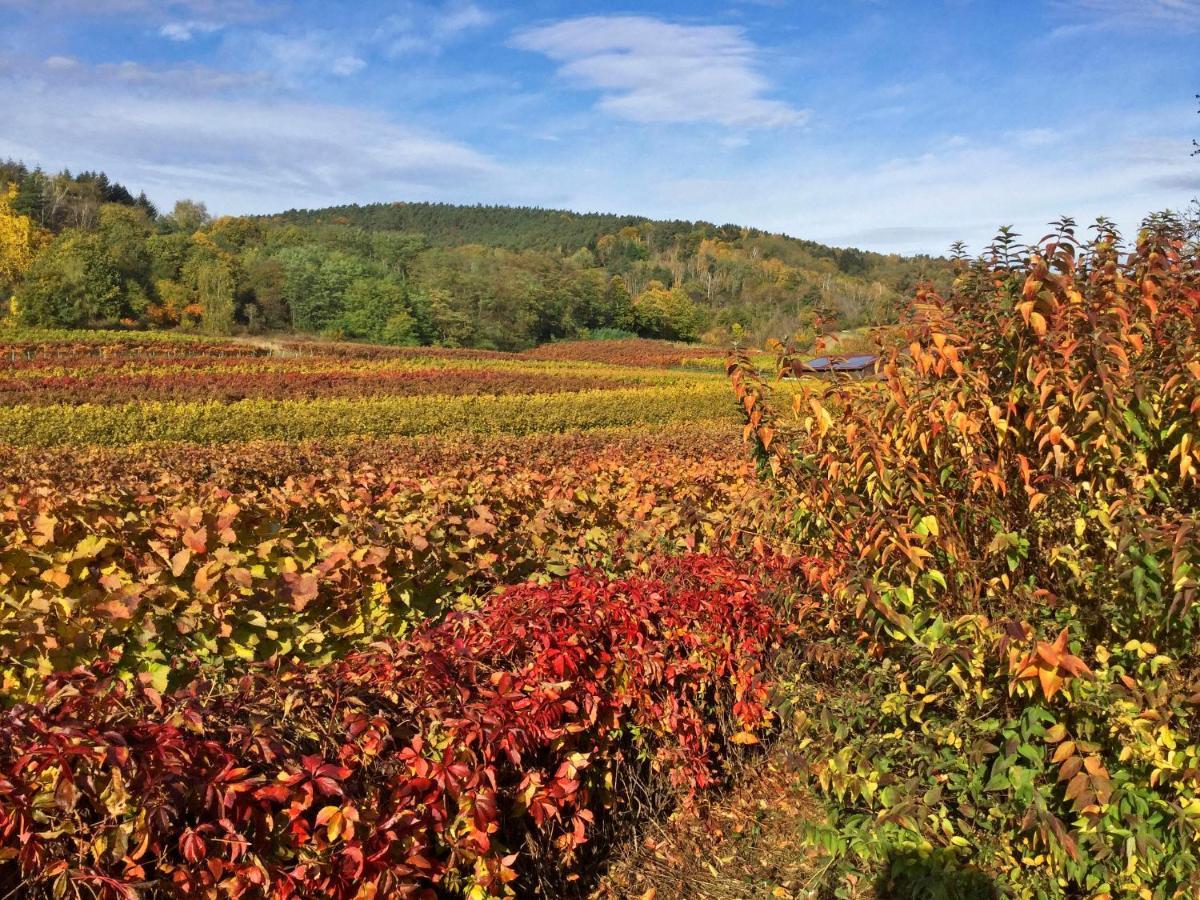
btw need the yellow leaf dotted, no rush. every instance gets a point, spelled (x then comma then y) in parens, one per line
(824, 419)
(744, 737)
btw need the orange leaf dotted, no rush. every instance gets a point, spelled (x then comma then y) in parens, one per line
(1077, 786)
(1051, 681)
(196, 541)
(179, 562)
(1065, 750)
(1070, 768)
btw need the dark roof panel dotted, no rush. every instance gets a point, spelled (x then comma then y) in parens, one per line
(834, 364)
(854, 363)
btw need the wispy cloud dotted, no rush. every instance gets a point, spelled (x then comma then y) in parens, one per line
(965, 189)
(428, 27)
(1183, 14)
(242, 150)
(1035, 137)
(455, 18)
(184, 80)
(650, 70)
(61, 63)
(179, 21)
(209, 10)
(294, 58)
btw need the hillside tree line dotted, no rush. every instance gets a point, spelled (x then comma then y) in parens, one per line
(80, 251)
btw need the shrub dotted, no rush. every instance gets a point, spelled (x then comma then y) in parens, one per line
(456, 759)
(1007, 668)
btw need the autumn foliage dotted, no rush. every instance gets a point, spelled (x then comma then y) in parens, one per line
(356, 666)
(482, 755)
(20, 240)
(177, 558)
(1007, 661)
(629, 352)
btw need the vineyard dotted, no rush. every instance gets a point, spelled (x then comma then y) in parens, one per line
(115, 392)
(304, 619)
(315, 619)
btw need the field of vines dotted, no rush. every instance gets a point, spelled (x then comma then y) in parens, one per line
(320, 620)
(298, 619)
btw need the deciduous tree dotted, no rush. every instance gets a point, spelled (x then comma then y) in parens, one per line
(19, 242)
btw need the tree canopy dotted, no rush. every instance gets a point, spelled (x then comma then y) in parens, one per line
(83, 251)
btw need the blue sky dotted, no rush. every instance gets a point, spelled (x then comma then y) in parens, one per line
(896, 126)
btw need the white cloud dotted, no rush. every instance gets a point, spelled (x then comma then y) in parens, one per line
(99, 7)
(295, 57)
(649, 70)
(60, 63)
(243, 152)
(184, 80)
(188, 78)
(456, 18)
(848, 191)
(347, 65)
(186, 30)
(967, 190)
(1035, 137)
(209, 10)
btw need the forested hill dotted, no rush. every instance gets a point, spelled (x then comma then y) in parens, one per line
(84, 251)
(768, 283)
(447, 225)
(535, 228)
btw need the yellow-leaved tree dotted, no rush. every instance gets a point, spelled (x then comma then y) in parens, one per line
(20, 240)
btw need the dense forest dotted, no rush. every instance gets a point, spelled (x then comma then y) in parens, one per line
(84, 251)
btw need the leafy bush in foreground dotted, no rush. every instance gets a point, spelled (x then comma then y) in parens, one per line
(1008, 672)
(462, 758)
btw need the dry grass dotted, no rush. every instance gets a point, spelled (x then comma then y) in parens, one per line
(746, 846)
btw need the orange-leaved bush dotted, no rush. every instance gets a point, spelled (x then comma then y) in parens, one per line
(1013, 508)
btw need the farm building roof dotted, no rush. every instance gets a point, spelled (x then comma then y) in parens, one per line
(838, 364)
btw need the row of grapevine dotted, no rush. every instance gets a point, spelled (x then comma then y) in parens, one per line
(122, 344)
(214, 422)
(85, 362)
(226, 387)
(196, 557)
(630, 352)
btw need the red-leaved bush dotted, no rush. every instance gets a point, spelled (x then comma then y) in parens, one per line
(474, 757)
